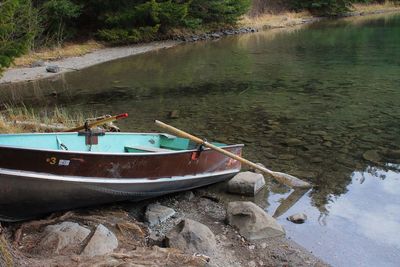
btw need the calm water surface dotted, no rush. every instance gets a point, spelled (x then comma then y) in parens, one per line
(320, 102)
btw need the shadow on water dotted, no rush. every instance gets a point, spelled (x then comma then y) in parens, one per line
(319, 102)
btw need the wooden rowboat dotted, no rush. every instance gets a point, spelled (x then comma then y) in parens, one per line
(45, 172)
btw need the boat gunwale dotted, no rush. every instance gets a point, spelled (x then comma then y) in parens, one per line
(102, 180)
(107, 153)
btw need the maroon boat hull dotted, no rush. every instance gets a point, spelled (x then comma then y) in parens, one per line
(35, 182)
(113, 165)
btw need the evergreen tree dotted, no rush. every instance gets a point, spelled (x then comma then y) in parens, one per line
(17, 29)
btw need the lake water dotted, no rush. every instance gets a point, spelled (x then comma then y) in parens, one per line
(320, 102)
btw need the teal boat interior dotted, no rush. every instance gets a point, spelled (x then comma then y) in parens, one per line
(107, 143)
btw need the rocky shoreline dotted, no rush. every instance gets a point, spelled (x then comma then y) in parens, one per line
(193, 228)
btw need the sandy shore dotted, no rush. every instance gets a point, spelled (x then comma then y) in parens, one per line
(25, 74)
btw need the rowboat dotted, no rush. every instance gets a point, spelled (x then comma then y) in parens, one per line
(45, 172)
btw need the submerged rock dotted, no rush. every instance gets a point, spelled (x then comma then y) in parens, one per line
(174, 114)
(394, 154)
(157, 213)
(297, 218)
(372, 155)
(286, 157)
(102, 242)
(246, 183)
(293, 142)
(192, 237)
(252, 221)
(322, 133)
(63, 237)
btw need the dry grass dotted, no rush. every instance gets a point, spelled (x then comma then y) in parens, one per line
(268, 20)
(388, 5)
(49, 54)
(6, 258)
(287, 19)
(21, 119)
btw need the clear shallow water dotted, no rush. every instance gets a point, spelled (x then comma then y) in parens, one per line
(320, 102)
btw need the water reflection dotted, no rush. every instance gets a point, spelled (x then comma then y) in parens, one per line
(365, 222)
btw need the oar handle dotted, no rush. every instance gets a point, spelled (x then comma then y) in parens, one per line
(284, 178)
(99, 122)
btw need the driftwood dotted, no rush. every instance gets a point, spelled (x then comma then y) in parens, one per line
(59, 127)
(43, 126)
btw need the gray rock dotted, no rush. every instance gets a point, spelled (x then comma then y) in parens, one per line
(297, 218)
(157, 213)
(38, 63)
(53, 68)
(64, 236)
(192, 237)
(215, 35)
(246, 183)
(102, 242)
(155, 239)
(252, 221)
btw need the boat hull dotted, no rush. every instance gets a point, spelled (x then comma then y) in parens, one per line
(25, 195)
(37, 181)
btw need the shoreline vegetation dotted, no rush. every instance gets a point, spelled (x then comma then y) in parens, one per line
(73, 56)
(266, 20)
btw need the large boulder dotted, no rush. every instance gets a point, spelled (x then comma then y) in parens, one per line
(102, 242)
(252, 222)
(63, 237)
(192, 237)
(156, 213)
(246, 183)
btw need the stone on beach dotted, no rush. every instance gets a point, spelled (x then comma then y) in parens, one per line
(64, 236)
(246, 183)
(157, 213)
(252, 222)
(102, 242)
(192, 237)
(53, 69)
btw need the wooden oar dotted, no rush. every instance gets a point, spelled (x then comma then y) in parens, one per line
(281, 177)
(99, 122)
